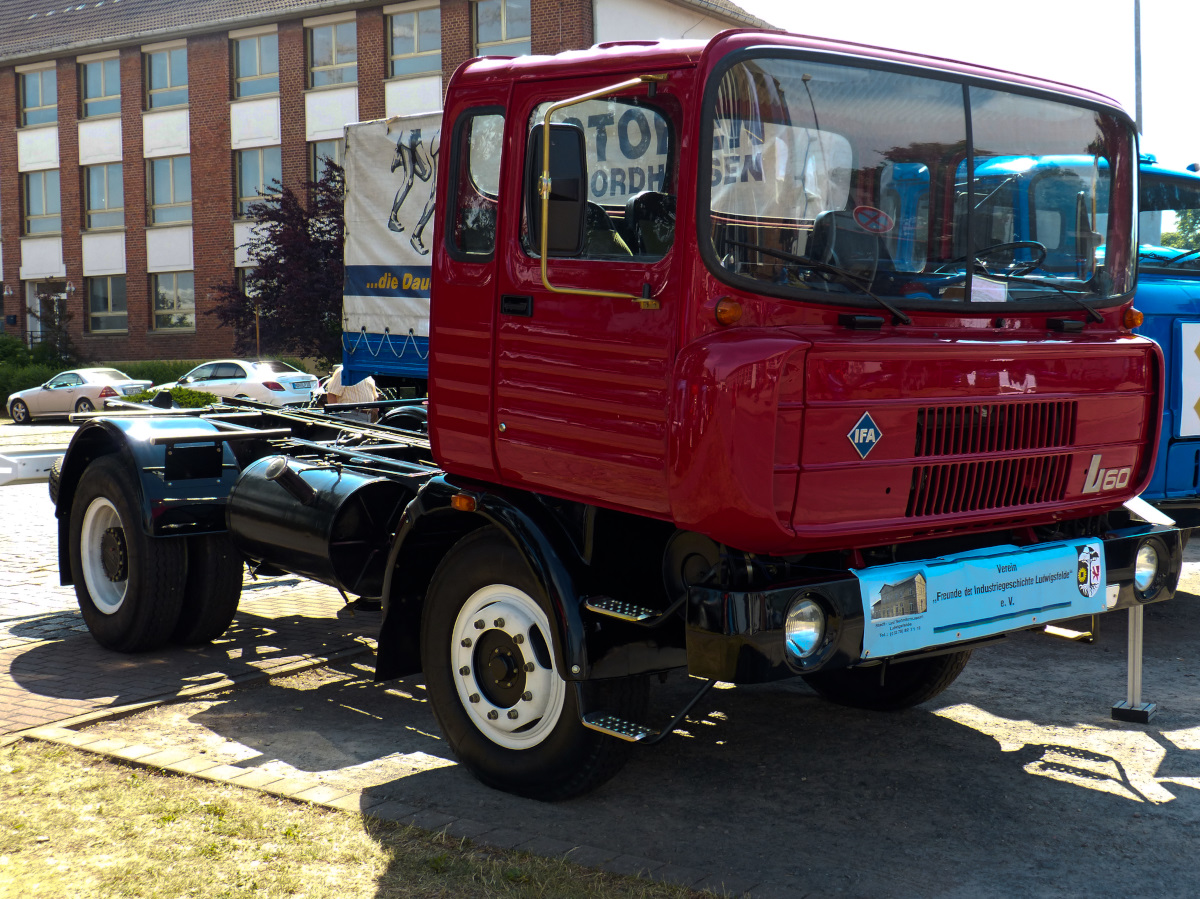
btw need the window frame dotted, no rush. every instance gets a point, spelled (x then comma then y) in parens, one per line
(176, 307)
(265, 191)
(85, 100)
(240, 79)
(460, 173)
(314, 156)
(44, 113)
(41, 175)
(418, 53)
(335, 66)
(496, 48)
(108, 297)
(90, 210)
(154, 207)
(153, 91)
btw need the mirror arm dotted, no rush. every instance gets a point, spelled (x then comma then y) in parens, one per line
(544, 186)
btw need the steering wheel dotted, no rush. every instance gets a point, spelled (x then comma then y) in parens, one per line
(1186, 255)
(1014, 268)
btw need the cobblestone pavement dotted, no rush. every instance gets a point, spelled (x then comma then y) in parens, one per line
(50, 667)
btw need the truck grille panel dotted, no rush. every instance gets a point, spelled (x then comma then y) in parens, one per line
(990, 484)
(994, 428)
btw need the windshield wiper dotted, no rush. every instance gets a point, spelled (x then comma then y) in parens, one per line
(846, 276)
(1070, 295)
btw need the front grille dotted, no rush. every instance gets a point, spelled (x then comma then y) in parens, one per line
(994, 428)
(989, 484)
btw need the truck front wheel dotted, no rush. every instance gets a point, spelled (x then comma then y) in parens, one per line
(898, 686)
(486, 648)
(129, 586)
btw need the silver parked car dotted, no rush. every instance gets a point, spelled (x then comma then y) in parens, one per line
(77, 390)
(271, 382)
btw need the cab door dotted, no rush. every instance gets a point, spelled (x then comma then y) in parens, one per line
(582, 381)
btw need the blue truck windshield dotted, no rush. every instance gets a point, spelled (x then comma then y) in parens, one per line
(1169, 222)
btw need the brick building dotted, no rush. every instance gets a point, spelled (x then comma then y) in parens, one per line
(133, 133)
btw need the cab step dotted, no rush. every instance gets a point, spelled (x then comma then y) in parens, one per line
(619, 609)
(631, 731)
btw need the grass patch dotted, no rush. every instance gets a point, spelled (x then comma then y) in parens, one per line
(74, 825)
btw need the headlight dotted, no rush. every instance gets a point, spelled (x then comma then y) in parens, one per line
(803, 629)
(1145, 569)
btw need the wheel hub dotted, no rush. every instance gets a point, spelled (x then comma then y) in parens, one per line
(113, 554)
(501, 668)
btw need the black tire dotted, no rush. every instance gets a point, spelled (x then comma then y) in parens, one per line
(83, 404)
(55, 479)
(129, 586)
(20, 413)
(412, 419)
(904, 684)
(554, 757)
(214, 586)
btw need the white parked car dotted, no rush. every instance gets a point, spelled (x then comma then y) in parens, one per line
(78, 390)
(271, 382)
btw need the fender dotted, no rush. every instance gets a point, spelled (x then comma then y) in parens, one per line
(430, 526)
(182, 488)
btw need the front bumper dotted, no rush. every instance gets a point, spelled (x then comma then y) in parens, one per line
(920, 608)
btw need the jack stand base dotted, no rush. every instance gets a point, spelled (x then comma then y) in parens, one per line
(1138, 714)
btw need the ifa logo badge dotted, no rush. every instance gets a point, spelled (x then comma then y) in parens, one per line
(864, 435)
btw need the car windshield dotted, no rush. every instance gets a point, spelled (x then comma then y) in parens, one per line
(1169, 222)
(847, 180)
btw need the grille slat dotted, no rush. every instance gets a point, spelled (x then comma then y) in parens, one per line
(996, 427)
(944, 489)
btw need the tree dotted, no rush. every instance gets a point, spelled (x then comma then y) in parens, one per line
(290, 301)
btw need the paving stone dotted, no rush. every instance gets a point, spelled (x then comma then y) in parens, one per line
(429, 820)
(505, 838)
(465, 828)
(133, 753)
(80, 739)
(108, 746)
(51, 733)
(165, 757)
(351, 802)
(547, 847)
(222, 773)
(194, 765)
(290, 786)
(393, 811)
(632, 865)
(255, 778)
(322, 794)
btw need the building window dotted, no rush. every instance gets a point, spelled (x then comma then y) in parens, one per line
(101, 84)
(333, 54)
(43, 212)
(323, 152)
(39, 97)
(502, 28)
(258, 175)
(416, 42)
(256, 65)
(170, 190)
(104, 189)
(166, 78)
(174, 301)
(106, 304)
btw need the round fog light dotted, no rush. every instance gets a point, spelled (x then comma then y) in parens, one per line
(803, 629)
(1145, 569)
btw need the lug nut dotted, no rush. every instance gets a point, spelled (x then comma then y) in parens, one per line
(518, 639)
(493, 715)
(527, 696)
(529, 666)
(479, 624)
(512, 713)
(464, 670)
(499, 622)
(466, 641)
(474, 697)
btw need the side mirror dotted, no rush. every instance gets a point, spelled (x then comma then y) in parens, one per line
(567, 206)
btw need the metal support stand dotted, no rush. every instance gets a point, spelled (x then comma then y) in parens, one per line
(1133, 709)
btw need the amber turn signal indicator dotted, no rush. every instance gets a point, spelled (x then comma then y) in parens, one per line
(728, 311)
(463, 502)
(1133, 318)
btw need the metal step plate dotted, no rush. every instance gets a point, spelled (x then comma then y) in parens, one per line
(630, 731)
(616, 608)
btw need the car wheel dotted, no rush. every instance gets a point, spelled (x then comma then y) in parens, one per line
(510, 717)
(214, 586)
(130, 586)
(84, 405)
(898, 686)
(20, 413)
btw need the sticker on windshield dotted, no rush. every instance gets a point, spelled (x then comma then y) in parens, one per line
(874, 220)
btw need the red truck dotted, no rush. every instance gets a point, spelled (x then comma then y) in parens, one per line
(727, 378)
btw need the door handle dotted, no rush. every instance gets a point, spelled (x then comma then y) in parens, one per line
(511, 304)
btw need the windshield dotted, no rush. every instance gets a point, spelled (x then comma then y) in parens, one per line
(1169, 222)
(844, 180)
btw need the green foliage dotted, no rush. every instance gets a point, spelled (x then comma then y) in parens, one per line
(184, 398)
(21, 377)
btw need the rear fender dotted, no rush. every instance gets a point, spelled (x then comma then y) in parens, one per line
(431, 526)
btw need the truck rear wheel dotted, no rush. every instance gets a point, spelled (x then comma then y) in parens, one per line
(505, 710)
(129, 586)
(903, 685)
(214, 586)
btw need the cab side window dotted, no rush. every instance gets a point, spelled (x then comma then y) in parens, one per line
(631, 178)
(475, 183)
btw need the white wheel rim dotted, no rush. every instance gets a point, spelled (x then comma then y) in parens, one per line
(18, 412)
(107, 595)
(512, 622)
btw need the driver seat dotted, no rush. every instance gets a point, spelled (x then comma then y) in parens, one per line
(837, 239)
